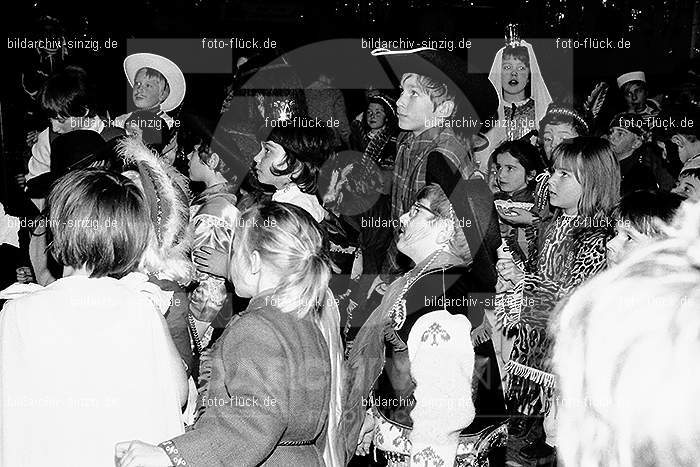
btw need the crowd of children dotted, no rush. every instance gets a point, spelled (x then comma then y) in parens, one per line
(181, 300)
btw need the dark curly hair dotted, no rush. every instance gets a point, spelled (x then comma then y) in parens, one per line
(306, 149)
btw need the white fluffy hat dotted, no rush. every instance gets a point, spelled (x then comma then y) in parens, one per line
(176, 80)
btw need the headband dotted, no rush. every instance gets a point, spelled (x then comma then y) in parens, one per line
(565, 112)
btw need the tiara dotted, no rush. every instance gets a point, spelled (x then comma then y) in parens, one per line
(283, 109)
(513, 35)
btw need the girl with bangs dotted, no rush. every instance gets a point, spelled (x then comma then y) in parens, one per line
(583, 189)
(289, 161)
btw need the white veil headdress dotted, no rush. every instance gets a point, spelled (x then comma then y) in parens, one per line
(538, 88)
(497, 134)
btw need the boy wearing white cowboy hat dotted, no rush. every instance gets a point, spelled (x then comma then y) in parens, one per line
(158, 85)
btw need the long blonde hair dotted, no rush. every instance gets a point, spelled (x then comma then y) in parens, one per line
(288, 239)
(626, 355)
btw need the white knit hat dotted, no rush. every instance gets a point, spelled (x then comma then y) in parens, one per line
(442, 365)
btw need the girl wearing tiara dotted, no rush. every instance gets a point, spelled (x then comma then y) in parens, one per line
(522, 94)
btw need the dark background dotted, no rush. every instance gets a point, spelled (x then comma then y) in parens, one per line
(659, 31)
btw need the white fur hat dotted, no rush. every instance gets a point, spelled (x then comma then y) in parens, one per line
(176, 80)
(631, 76)
(442, 365)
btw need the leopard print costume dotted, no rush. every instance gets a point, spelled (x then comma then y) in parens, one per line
(570, 255)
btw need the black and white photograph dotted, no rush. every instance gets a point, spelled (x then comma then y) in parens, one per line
(350, 233)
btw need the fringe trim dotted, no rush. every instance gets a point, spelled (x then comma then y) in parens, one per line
(481, 335)
(538, 376)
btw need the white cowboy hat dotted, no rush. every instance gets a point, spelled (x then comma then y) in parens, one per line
(176, 80)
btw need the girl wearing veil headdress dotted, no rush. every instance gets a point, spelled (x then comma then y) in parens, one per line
(522, 94)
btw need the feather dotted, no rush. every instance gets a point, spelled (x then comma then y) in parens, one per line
(596, 99)
(168, 251)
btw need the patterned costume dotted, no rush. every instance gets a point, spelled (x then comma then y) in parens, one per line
(418, 411)
(570, 254)
(520, 240)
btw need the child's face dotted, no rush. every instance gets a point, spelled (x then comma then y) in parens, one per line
(688, 187)
(419, 230)
(553, 135)
(623, 142)
(515, 75)
(627, 239)
(414, 107)
(271, 156)
(376, 118)
(511, 174)
(635, 96)
(564, 190)
(62, 125)
(147, 92)
(198, 170)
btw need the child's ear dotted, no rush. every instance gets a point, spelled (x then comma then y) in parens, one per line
(447, 230)
(213, 161)
(255, 262)
(530, 175)
(445, 109)
(679, 140)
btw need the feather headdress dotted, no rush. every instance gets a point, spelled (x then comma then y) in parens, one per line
(167, 195)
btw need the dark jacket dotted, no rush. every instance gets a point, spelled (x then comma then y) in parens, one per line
(270, 386)
(645, 169)
(365, 367)
(462, 291)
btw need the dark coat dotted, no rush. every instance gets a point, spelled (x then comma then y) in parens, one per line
(270, 386)
(372, 364)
